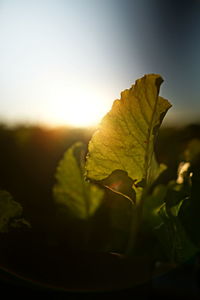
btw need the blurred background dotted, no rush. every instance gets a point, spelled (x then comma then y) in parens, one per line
(64, 62)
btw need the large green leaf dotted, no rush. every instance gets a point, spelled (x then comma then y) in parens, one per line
(9, 210)
(126, 137)
(81, 197)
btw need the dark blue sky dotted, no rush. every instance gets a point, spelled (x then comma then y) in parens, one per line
(166, 35)
(60, 55)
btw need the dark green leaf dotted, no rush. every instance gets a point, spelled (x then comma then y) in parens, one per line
(9, 210)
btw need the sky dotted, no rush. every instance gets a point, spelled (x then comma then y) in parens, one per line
(65, 61)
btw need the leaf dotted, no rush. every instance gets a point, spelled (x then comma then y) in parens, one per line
(171, 232)
(9, 210)
(174, 240)
(152, 206)
(126, 137)
(81, 197)
(169, 197)
(161, 212)
(179, 191)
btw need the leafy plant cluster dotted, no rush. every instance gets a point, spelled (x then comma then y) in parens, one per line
(151, 216)
(121, 159)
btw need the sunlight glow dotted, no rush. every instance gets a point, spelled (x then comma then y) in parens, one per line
(79, 111)
(77, 106)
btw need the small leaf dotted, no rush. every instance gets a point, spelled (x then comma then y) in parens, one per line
(152, 206)
(81, 197)
(171, 231)
(175, 242)
(9, 210)
(126, 137)
(161, 212)
(179, 191)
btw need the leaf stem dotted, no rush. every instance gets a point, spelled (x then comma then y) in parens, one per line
(136, 222)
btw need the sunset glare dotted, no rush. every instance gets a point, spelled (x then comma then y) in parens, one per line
(77, 107)
(64, 62)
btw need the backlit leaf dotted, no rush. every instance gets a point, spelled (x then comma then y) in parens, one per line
(126, 136)
(81, 197)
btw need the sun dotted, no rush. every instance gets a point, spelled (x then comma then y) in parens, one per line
(77, 107)
(79, 111)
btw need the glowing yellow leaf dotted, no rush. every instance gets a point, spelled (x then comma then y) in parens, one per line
(126, 137)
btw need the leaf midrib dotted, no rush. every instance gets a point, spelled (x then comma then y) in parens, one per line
(148, 159)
